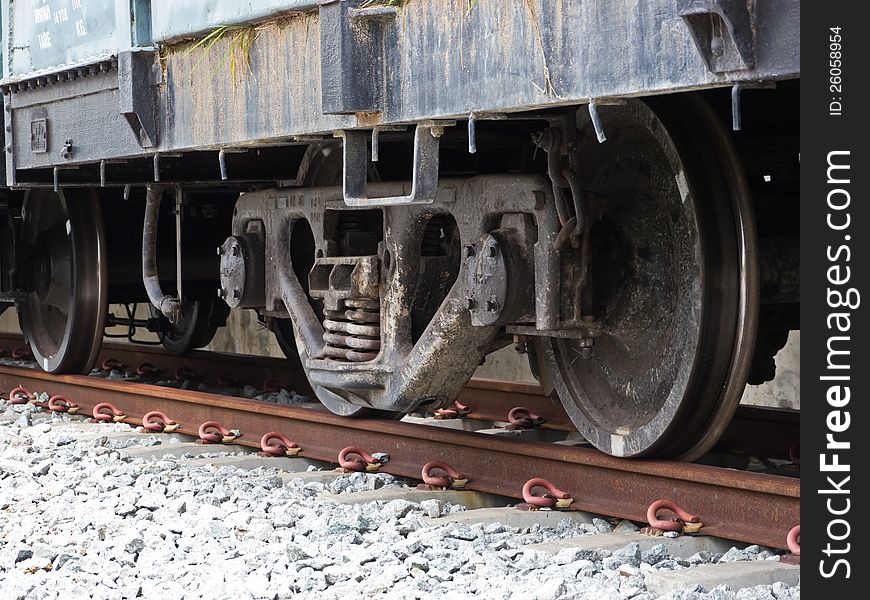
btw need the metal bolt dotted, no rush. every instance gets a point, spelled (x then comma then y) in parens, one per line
(586, 348)
(220, 250)
(222, 293)
(717, 46)
(471, 303)
(492, 305)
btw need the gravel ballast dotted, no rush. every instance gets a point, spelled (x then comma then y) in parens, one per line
(80, 520)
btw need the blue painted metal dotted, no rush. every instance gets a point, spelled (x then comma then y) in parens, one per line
(172, 20)
(41, 36)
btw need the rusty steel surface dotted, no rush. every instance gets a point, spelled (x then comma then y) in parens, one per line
(756, 431)
(732, 504)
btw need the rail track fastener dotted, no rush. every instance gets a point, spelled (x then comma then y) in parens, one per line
(553, 498)
(450, 479)
(278, 444)
(21, 395)
(21, 353)
(106, 412)
(794, 546)
(521, 417)
(212, 432)
(157, 422)
(62, 404)
(185, 372)
(454, 411)
(363, 462)
(683, 522)
(146, 369)
(112, 364)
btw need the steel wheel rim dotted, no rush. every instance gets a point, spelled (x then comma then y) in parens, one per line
(68, 261)
(685, 415)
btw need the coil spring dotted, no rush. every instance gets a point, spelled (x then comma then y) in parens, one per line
(432, 243)
(351, 222)
(353, 334)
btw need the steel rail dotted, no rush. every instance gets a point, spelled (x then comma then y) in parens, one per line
(737, 505)
(767, 432)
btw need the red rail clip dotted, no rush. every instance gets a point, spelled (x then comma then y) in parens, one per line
(521, 417)
(278, 444)
(365, 462)
(105, 412)
(146, 369)
(794, 546)
(111, 364)
(185, 372)
(454, 411)
(552, 498)
(21, 353)
(212, 432)
(451, 479)
(20, 395)
(62, 404)
(158, 422)
(682, 523)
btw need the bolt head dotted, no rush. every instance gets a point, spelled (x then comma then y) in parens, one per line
(471, 303)
(222, 293)
(220, 250)
(492, 305)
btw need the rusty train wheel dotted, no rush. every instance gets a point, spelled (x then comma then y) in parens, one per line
(674, 292)
(63, 315)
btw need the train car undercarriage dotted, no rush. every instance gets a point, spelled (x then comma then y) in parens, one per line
(641, 253)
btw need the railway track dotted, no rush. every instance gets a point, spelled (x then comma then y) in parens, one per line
(746, 506)
(611, 551)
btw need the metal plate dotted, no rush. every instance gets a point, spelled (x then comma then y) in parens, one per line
(39, 136)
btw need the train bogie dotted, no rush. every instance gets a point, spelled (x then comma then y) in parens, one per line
(394, 217)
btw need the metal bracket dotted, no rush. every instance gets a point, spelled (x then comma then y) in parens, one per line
(722, 31)
(137, 93)
(736, 91)
(424, 186)
(352, 46)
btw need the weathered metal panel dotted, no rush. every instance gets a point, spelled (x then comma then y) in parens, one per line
(42, 36)
(171, 20)
(442, 61)
(430, 59)
(89, 117)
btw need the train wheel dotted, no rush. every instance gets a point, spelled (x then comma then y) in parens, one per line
(199, 321)
(283, 331)
(674, 284)
(63, 315)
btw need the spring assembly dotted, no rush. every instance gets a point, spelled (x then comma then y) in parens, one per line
(353, 334)
(433, 237)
